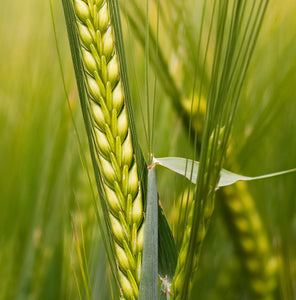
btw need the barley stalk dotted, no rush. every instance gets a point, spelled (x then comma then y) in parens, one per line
(178, 213)
(112, 139)
(207, 208)
(244, 223)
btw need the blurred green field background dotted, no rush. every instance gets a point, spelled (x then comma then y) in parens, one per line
(44, 186)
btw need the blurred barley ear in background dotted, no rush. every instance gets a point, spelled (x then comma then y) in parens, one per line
(50, 243)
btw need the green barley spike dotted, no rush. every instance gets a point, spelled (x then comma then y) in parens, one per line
(251, 241)
(112, 138)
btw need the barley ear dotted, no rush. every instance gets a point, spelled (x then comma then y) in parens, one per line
(111, 139)
(251, 241)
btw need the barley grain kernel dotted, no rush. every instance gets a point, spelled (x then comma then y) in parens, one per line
(133, 180)
(108, 43)
(127, 150)
(93, 88)
(116, 228)
(125, 286)
(113, 201)
(118, 97)
(122, 124)
(103, 143)
(85, 35)
(89, 61)
(103, 17)
(138, 208)
(113, 70)
(98, 115)
(107, 170)
(82, 10)
(121, 256)
(140, 239)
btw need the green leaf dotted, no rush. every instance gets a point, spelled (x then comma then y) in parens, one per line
(167, 250)
(149, 280)
(228, 178)
(189, 169)
(167, 254)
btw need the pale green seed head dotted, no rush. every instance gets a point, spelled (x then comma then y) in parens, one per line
(89, 61)
(112, 140)
(82, 10)
(84, 35)
(121, 257)
(113, 201)
(108, 43)
(138, 208)
(94, 88)
(140, 239)
(98, 115)
(271, 266)
(118, 97)
(103, 143)
(236, 206)
(125, 286)
(201, 232)
(209, 208)
(116, 228)
(103, 17)
(253, 264)
(262, 244)
(127, 151)
(108, 171)
(258, 285)
(122, 124)
(248, 244)
(256, 223)
(133, 180)
(113, 70)
(242, 225)
(139, 267)
(270, 286)
(183, 255)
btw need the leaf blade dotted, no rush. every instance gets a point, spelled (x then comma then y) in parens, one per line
(189, 169)
(149, 280)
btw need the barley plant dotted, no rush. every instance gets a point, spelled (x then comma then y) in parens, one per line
(118, 121)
